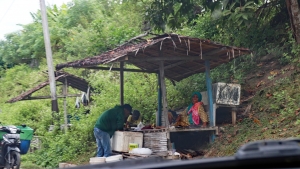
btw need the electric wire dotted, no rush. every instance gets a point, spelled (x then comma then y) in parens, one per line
(7, 11)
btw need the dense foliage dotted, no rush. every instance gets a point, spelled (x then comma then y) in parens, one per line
(85, 28)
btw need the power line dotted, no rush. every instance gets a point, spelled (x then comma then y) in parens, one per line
(6, 11)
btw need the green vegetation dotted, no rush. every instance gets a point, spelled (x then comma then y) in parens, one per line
(86, 28)
(274, 115)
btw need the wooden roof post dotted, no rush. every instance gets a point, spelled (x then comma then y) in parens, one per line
(164, 117)
(121, 83)
(210, 96)
(159, 113)
(65, 93)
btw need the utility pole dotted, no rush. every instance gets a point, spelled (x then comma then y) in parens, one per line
(49, 57)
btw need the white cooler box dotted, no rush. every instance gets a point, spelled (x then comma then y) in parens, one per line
(121, 139)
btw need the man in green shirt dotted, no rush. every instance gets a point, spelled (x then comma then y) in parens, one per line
(109, 121)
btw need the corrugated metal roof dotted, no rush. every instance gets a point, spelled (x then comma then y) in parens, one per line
(73, 81)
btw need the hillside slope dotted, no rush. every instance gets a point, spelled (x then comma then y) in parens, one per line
(269, 109)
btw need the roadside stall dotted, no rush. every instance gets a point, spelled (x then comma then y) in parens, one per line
(169, 56)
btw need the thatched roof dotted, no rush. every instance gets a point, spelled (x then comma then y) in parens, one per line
(73, 81)
(183, 56)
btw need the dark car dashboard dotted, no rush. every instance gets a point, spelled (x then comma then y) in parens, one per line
(259, 154)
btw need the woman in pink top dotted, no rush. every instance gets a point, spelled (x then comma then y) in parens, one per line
(196, 112)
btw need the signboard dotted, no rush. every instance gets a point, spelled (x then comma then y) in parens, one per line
(226, 93)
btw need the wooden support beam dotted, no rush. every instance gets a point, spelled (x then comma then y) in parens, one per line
(214, 51)
(121, 83)
(65, 93)
(200, 64)
(148, 59)
(164, 94)
(175, 64)
(215, 113)
(189, 70)
(164, 100)
(149, 63)
(159, 105)
(180, 56)
(49, 97)
(182, 51)
(233, 116)
(210, 98)
(209, 92)
(196, 70)
(211, 55)
(118, 69)
(194, 129)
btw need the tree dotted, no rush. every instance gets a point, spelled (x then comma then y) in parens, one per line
(294, 14)
(163, 14)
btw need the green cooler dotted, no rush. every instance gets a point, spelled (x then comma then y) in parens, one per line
(26, 137)
(1, 135)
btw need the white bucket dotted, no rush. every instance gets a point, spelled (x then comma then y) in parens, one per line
(97, 160)
(114, 158)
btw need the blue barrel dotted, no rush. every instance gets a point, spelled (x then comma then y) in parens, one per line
(24, 146)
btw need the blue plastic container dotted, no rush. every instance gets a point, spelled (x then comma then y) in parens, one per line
(24, 146)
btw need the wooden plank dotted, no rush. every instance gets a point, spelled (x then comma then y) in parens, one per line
(195, 129)
(154, 130)
(155, 133)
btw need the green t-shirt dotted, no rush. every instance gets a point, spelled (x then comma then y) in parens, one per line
(111, 120)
